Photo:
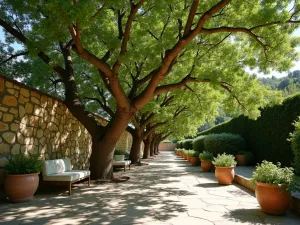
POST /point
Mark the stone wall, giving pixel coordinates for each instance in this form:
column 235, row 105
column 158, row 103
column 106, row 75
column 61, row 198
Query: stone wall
column 32, row 121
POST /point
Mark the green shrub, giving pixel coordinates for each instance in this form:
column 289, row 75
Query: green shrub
column 179, row 149
column 267, row 136
column 198, row 143
column 188, row 144
column 179, row 144
column 206, row 156
column 23, row 164
column 224, row 160
column 193, row 153
column 295, row 142
column 119, row 152
column 224, row 143
column 269, row 173
column 186, row 152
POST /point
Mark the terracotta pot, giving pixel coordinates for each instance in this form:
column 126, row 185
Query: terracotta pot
column 241, row 160
column 206, row 165
column 21, row 188
column 184, row 156
column 224, row 175
column 273, row 199
column 194, row 161
column 188, row 158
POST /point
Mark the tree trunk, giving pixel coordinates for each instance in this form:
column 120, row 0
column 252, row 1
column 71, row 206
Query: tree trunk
column 152, row 148
column 101, row 160
column 156, row 148
column 146, row 148
column 104, row 144
column 135, row 154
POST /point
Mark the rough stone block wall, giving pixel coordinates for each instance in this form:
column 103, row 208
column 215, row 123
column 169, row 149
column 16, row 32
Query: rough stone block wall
column 31, row 121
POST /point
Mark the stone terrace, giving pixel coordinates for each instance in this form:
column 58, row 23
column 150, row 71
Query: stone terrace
column 168, row 191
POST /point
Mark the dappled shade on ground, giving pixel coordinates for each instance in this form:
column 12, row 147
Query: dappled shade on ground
column 168, row 191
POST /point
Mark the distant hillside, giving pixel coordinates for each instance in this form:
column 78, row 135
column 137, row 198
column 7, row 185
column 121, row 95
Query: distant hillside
column 289, row 84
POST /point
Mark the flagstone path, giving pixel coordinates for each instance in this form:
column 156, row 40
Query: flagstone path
column 167, row 191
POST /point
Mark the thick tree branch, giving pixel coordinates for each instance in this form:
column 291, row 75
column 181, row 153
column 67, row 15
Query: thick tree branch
column 152, row 128
column 171, row 55
column 133, row 11
column 148, row 120
column 191, row 17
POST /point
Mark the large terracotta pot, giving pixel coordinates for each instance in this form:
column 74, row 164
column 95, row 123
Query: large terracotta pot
column 206, row 165
column 184, row 156
column 194, row 161
column 224, row 175
column 241, row 160
column 273, row 199
column 187, row 157
column 21, row 188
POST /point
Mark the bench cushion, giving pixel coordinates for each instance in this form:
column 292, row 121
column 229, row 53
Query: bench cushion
column 67, row 175
column 68, row 165
column 121, row 163
column 53, row 167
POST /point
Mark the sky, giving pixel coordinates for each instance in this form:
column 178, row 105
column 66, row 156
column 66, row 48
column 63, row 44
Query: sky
column 273, row 73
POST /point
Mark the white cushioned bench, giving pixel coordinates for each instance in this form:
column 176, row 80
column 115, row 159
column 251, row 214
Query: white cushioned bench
column 60, row 171
column 122, row 163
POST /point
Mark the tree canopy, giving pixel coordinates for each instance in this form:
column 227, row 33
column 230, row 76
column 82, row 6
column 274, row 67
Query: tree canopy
column 126, row 53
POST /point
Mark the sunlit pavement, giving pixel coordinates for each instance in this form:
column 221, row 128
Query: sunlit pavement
column 167, row 191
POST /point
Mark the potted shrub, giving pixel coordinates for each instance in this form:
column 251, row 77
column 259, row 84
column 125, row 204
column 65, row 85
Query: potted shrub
column 224, row 164
column 243, row 158
column 184, row 154
column 273, row 186
column 188, row 155
column 193, row 156
column 22, row 180
column 206, row 158
column 119, row 155
column 179, row 152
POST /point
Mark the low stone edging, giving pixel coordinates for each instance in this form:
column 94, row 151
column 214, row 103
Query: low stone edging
column 245, row 182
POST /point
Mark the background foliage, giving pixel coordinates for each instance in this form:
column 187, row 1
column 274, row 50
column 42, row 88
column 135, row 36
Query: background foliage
column 267, row 136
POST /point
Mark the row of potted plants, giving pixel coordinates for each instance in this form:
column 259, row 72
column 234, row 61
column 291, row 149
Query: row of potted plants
column 273, row 184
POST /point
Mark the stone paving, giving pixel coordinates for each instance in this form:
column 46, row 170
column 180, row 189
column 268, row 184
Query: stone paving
column 168, row 191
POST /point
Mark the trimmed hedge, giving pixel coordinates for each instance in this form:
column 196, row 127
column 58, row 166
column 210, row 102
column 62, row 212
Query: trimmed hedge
column 295, row 141
column 198, row 143
column 224, row 143
column 187, row 144
column 267, row 136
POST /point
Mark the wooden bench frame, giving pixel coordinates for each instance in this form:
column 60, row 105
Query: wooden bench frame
column 69, row 183
column 121, row 166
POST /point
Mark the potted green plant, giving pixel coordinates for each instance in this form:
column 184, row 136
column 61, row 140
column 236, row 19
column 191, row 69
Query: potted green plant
column 224, row 164
column 179, row 152
column 273, row 186
column 22, row 180
column 206, row 158
column 243, row 158
column 193, row 157
column 119, row 155
column 185, row 156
